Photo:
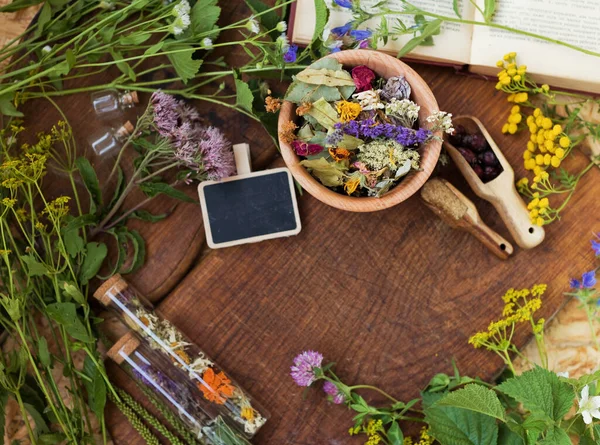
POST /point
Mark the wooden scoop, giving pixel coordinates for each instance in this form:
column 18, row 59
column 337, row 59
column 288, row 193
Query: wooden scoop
column 456, row 210
column 501, row 191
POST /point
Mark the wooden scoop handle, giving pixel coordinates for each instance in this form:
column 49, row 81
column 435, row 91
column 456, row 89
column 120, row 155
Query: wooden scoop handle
column 490, row 239
column 515, row 215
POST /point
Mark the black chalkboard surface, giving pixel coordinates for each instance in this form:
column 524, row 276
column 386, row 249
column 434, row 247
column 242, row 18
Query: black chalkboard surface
column 249, row 208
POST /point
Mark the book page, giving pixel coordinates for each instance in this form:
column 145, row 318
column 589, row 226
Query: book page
column 572, row 21
column 452, row 45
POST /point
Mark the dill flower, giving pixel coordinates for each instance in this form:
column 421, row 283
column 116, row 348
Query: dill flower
column 181, row 11
column 305, row 364
column 348, row 110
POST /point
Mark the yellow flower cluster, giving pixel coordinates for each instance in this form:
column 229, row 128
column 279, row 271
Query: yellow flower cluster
column 58, row 208
column 348, row 110
column 511, row 75
column 547, row 143
column 514, row 119
column 372, row 430
column 538, row 208
column 425, row 438
column 519, row 306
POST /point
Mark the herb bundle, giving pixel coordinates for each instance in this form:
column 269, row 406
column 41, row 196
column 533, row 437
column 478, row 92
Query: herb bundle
column 358, row 132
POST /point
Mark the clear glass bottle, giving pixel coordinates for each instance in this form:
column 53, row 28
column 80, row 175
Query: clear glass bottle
column 109, row 103
column 108, row 141
column 155, row 371
column 215, row 387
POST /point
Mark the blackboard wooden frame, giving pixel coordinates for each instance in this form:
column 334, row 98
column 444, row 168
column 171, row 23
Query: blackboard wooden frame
column 254, row 239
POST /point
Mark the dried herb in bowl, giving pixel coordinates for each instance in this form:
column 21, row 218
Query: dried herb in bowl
column 357, row 133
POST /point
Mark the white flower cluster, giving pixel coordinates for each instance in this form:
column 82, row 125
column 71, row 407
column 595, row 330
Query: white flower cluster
column 181, row 11
column 283, row 43
column 253, row 25
column 207, row 43
column 441, row 121
column 369, row 100
column 406, row 110
column 388, row 153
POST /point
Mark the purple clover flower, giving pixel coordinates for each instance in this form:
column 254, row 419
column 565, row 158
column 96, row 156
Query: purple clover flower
column 291, row 54
column 588, row 281
column 361, row 34
column 165, row 112
column 341, row 31
column 596, row 247
column 303, row 371
column 331, row 389
column 344, row 3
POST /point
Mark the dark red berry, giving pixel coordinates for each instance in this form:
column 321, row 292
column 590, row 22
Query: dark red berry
column 489, row 158
column 467, row 140
column 478, row 143
column 478, row 171
column 468, row 155
column 490, row 173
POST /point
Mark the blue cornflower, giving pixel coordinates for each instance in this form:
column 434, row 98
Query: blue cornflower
column 596, row 247
column 341, row 31
column 291, row 54
column 588, row 281
column 344, row 3
column 361, row 34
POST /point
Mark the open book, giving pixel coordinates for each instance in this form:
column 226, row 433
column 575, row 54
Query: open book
column 573, row 21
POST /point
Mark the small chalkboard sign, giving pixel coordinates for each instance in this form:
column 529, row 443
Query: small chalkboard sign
column 249, row 208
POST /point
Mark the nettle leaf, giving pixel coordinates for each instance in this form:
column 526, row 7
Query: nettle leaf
column 431, row 29
column 94, row 257
column 331, row 174
column 540, row 390
column 96, row 388
column 204, row 16
column 456, row 426
column 475, row 398
column 152, row 189
column 508, row 437
column 322, row 17
column 34, row 267
column 243, row 95
column 556, row 436
column 90, row 180
column 65, row 314
column 184, row 64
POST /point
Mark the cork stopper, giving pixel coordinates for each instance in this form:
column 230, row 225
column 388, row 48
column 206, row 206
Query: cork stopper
column 130, row 98
column 125, row 130
column 116, row 283
column 126, row 345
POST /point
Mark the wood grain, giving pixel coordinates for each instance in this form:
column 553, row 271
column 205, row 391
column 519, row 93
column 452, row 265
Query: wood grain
column 385, row 66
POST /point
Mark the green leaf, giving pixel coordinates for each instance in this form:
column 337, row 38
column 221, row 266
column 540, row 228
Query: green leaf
column 51, row 438
column 72, row 291
column 455, row 426
column 65, row 314
column 269, row 20
column 456, row 7
column 96, row 388
column 183, row 63
column 331, row 174
column 74, row 243
column 123, row 66
column 107, row 32
column 94, row 257
column 44, row 17
column 540, row 390
column 7, row 107
column 508, row 437
column 134, row 39
column 41, row 426
column 119, row 187
column 43, row 352
column 3, row 409
column 34, row 267
column 330, row 78
column 489, row 10
column 243, row 95
column 17, row 5
column 154, row 48
column 431, row 29
column 475, row 398
column 324, row 113
column 145, row 215
column 139, row 250
column 556, row 436
column 88, row 174
column 322, row 17
column 395, row 435
column 152, row 189
column 204, row 16
column 70, row 56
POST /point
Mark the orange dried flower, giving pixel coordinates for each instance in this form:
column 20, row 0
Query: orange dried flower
column 339, row 154
column 216, row 387
column 286, row 134
column 272, row 104
column 303, row 109
column 183, row 356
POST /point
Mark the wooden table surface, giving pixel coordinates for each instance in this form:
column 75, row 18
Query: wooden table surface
column 391, row 296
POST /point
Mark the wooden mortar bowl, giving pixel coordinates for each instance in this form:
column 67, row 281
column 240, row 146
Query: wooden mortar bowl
column 385, row 66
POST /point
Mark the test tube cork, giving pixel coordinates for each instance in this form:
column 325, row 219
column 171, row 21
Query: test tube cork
column 116, row 283
column 126, row 344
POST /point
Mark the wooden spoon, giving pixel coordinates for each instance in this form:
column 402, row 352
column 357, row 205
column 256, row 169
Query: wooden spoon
column 459, row 212
column 501, row 191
